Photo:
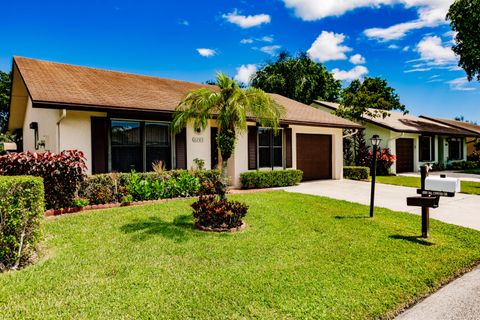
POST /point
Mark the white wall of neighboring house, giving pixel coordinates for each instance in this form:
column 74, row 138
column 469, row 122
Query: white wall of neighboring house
column 47, row 128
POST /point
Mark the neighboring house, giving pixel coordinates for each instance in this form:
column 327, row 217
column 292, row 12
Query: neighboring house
column 122, row 122
column 473, row 128
column 415, row 141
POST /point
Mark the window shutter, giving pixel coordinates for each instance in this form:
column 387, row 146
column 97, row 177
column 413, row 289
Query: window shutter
column 288, row 147
column 99, row 130
column 213, row 148
column 181, row 150
column 252, row 148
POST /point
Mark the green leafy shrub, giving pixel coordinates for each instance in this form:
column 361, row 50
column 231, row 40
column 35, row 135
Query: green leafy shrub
column 113, row 187
column 62, row 173
column 436, row 166
column 21, row 215
column 270, row 178
column 462, row 165
column 80, row 202
column 356, row 173
column 211, row 212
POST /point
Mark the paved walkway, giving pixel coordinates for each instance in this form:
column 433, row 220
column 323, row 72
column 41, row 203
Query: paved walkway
column 459, row 299
column 462, row 210
column 452, row 174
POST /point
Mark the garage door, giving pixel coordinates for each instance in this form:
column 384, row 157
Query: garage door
column 314, row 156
column 404, row 153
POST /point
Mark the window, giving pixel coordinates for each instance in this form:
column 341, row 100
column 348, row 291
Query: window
column 270, row 148
column 426, row 148
column 455, row 150
column 135, row 145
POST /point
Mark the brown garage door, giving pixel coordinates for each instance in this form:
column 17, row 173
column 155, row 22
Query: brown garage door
column 314, row 156
column 404, row 150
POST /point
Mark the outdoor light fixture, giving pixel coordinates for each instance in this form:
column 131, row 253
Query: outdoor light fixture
column 375, row 140
column 34, row 127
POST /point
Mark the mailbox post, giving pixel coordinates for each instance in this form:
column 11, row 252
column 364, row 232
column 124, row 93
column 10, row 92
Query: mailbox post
column 431, row 190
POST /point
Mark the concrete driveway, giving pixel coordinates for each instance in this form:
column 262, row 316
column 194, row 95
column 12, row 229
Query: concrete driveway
column 462, row 210
column 448, row 173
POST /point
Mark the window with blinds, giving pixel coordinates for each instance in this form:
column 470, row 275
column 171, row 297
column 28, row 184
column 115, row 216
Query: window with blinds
column 136, row 145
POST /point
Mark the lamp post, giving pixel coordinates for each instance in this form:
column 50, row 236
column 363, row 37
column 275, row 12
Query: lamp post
column 375, row 140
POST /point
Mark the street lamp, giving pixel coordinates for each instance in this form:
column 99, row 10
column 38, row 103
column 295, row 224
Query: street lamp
column 375, row 140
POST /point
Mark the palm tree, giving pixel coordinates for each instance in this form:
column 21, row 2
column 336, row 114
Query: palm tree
column 230, row 105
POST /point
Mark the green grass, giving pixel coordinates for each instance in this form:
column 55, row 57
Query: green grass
column 470, row 187
column 472, row 171
column 301, row 257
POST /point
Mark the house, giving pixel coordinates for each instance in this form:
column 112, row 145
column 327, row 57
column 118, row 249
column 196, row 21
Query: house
column 473, row 128
column 414, row 140
column 122, row 122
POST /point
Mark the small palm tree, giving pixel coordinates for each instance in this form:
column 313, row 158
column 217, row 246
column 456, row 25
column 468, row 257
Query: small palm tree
column 230, row 105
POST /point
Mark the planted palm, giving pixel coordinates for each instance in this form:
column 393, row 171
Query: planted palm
column 231, row 106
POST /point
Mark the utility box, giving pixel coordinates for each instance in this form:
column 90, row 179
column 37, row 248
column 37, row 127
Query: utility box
column 450, row 185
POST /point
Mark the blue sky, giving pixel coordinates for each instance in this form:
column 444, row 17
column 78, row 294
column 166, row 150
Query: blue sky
column 406, row 42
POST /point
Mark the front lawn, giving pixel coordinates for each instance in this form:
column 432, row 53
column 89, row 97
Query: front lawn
column 470, row 187
column 302, row 256
column 472, row 171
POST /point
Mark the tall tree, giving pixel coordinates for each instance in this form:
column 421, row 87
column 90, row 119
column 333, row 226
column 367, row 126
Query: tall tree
column 230, row 105
column 5, row 90
column 464, row 16
column 371, row 97
column 298, row 78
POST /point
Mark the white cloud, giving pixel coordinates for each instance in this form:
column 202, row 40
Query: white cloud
column 432, row 50
column 417, row 70
column 352, row 74
column 271, row 50
column 205, row 52
column 328, row 46
column 461, row 84
column 406, row 48
column 357, row 59
column 245, row 73
column 431, row 13
column 246, row 21
column 246, row 41
column 393, row 46
column 268, row 39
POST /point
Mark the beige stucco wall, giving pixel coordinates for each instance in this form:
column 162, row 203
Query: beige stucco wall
column 47, row 128
column 198, row 145
column 75, row 133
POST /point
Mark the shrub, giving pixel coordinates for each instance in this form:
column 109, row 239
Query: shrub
column 113, row 187
column 270, row 178
column 210, row 212
column 462, row 165
column 356, row 173
column 62, row 173
column 437, row 166
column 21, row 214
column 384, row 161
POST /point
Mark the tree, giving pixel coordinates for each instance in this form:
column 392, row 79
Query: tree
column 298, row 78
column 373, row 97
column 230, row 105
column 464, row 16
column 5, row 89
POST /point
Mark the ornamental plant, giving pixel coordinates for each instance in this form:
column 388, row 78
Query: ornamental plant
column 384, row 161
column 62, row 173
column 214, row 213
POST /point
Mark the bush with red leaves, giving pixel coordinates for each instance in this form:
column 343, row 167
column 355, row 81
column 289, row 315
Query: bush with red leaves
column 61, row 173
column 211, row 212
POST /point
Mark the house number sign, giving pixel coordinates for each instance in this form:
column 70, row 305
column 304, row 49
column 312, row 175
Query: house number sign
column 197, row 139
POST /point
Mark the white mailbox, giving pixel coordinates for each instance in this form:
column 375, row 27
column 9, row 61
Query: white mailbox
column 451, row 185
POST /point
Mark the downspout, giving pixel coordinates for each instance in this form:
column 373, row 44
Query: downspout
column 63, row 115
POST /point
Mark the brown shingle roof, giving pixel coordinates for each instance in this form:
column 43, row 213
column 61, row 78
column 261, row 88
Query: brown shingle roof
column 399, row 122
column 475, row 129
column 83, row 87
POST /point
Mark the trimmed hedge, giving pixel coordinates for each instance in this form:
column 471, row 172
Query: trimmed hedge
column 356, row 173
column 21, row 214
column 270, row 178
column 462, row 165
column 116, row 187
